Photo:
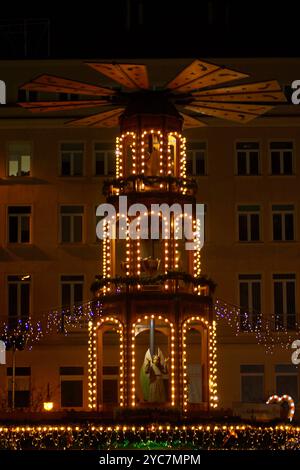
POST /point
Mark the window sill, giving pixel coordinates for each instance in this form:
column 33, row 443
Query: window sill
column 280, row 242
column 71, row 178
column 246, row 243
column 248, row 176
column 270, row 175
column 19, row 244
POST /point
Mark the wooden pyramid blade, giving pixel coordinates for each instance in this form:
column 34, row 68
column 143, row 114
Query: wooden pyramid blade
column 189, row 121
column 48, row 106
column 105, row 119
column 197, row 69
column 129, row 75
column 201, row 74
column 247, row 108
column 236, row 113
column 53, row 84
column 267, row 91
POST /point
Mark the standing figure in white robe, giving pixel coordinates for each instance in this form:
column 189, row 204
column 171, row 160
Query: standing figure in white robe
column 153, row 371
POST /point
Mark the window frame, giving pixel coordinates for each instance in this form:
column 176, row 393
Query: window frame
column 106, row 156
column 282, row 212
column 286, row 374
column 19, row 216
column 71, row 175
column 248, row 213
column 248, row 280
column 19, row 302
column 71, row 283
column 285, row 314
column 72, row 215
column 252, row 374
column 290, row 140
column 259, row 150
column 8, row 143
column 193, row 151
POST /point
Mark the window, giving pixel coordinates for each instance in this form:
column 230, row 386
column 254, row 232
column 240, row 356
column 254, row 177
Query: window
column 247, row 155
column 71, row 386
column 68, row 97
column 105, row 159
column 19, row 224
column 71, row 291
column 19, row 158
column 18, row 298
column 22, row 386
column 27, row 95
column 283, row 222
column 196, row 159
column 71, row 155
column 285, row 300
column 250, row 300
column 252, row 383
column 71, row 223
column 281, row 158
column 249, row 223
column 286, row 376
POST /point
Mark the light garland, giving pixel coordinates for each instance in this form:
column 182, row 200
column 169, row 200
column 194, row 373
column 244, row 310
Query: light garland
column 172, row 347
column 93, row 359
column 204, row 437
column 264, row 330
column 283, row 398
column 120, row 157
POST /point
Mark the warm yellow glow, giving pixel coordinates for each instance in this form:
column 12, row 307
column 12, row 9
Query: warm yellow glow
column 172, row 345
column 93, row 359
column 48, row 405
column 211, row 329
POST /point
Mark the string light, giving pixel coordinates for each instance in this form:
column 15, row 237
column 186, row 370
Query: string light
column 93, row 359
column 212, row 352
column 197, row 436
column 288, row 399
column 172, row 351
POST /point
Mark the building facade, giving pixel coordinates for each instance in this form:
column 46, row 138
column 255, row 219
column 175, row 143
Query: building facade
column 51, row 183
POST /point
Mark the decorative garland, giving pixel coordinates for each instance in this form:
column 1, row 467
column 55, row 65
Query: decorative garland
column 160, row 279
column 122, row 183
column 198, row 437
column 266, row 331
column 288, row 399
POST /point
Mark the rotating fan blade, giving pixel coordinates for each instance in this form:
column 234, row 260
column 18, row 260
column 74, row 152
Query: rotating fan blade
column 200, row 74
column 48, row 106
column 129, row 75
column 190, row 121
column 53, row 84
column 232, row 112
column 267, row 91
column 105, row 119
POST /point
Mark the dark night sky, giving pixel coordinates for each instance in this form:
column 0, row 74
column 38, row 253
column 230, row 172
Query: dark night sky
column 153, row 28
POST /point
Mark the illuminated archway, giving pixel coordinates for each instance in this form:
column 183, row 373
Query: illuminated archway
column 133, row 356
column 93, row 359
column 212, row 359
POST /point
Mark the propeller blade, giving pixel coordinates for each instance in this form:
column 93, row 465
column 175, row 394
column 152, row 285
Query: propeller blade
column 260, row 92
column 48, row 106
column 189, row 121
column 53, row 84
column 129, row 75
column 231, row 112
column 105, row 119
column 200, row 74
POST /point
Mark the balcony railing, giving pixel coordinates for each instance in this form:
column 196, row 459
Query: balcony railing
column 142, row 183
column 170, row 282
